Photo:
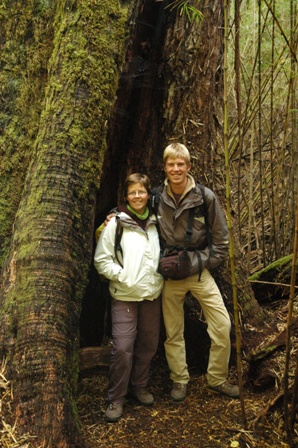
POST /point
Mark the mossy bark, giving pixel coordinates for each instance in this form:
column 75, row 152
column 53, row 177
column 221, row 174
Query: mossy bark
column 47, row 269
column 26, row 34
column 272, row 283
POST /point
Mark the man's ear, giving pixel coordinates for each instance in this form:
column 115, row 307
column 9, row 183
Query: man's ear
column 189, row 167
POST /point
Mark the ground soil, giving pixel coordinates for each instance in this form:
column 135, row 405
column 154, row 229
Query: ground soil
column 203, row 420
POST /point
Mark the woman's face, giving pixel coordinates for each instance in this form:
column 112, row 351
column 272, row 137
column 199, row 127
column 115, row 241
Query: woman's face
column 137, row 197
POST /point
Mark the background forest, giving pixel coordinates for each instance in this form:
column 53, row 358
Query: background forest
column 77, row 113
column 262, row 108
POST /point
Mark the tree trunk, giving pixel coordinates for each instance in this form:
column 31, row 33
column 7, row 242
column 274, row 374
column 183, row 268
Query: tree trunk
column 47, row 270
column 171, row 90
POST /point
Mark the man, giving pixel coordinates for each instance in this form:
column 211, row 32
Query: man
column 177, row 196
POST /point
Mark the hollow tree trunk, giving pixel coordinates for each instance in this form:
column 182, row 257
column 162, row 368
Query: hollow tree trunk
column 171, row 90
column 46, row 273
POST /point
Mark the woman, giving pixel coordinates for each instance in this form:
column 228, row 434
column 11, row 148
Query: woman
column 135, row 287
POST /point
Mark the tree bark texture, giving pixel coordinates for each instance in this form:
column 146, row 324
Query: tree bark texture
column 26, row 45
column 47, row 270
column 171, row 90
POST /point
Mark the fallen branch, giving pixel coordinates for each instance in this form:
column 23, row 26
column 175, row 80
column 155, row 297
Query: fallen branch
column 271, row 283
column 266, row 409
column 272, row 346
column 91, row 357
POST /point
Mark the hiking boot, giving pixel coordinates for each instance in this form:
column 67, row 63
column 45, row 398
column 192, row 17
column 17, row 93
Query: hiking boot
column 226, row 388
column 143, row 396
column 114, row 412
column 178, row 392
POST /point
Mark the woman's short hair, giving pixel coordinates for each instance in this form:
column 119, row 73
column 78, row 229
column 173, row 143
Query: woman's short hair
column 176, row 151
column 138, row 178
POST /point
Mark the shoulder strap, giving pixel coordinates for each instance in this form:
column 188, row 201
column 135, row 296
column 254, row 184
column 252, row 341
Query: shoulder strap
column 203, row 206
column 188, row 232
column 154, row 202
column 118, row 236
column 155, row 199
column 191, row 216
column 204, row 209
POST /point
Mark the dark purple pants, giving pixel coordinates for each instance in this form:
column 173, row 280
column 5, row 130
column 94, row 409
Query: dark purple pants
column 135, row 332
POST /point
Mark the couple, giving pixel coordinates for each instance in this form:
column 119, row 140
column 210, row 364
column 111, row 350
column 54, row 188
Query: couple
column 136, row 285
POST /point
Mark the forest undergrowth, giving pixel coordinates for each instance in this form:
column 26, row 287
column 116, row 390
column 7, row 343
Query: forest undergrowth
column 203, row 420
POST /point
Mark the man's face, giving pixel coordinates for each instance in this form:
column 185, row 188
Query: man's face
column 176, row 171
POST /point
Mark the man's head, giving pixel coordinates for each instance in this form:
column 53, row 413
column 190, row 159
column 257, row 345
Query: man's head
column 176, row 166
column 176, row 151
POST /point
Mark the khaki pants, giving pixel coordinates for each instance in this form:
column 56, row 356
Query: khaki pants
column 217, row 317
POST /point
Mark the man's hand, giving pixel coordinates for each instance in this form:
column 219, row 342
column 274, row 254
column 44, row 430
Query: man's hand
column 108, row 218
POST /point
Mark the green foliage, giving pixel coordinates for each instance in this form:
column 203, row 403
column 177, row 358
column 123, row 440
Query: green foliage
column 262, row 127
column 192, row 12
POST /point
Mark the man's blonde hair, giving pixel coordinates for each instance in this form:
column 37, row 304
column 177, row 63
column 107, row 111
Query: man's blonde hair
column 176, row 151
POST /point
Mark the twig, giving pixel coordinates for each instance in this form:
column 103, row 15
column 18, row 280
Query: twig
column 271, row 283
column 266, row 409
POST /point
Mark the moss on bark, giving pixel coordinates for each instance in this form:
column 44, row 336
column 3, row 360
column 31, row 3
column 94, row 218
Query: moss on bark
column 61, row 157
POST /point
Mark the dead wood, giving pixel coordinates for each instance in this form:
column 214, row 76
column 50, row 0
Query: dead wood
column 266, row 378
column 278, row 342
column 266, row 409
column 91, row 357
column 273, row 282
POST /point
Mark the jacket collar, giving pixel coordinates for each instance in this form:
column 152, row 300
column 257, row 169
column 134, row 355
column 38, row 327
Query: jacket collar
column 132, row 221
column 189, row 186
